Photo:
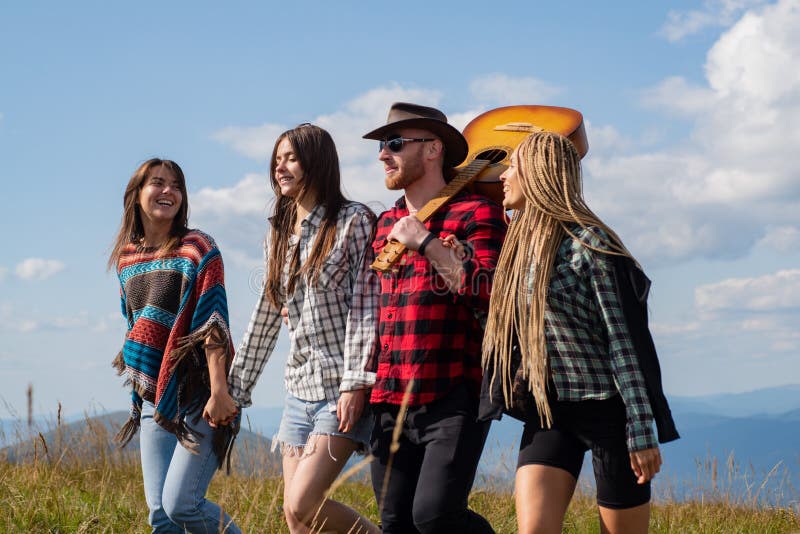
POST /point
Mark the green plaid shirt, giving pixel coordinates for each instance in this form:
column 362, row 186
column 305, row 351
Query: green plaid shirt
column 591, row 353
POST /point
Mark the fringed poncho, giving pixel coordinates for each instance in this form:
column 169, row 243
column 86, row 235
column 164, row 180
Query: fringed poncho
column 172, row 301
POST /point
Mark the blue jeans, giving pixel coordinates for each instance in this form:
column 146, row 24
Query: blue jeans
column 176, row 480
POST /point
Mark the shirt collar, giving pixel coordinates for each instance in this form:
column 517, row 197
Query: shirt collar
column 314, row 218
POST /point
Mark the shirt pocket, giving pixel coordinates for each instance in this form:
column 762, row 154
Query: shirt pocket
column 569, row 295
column 333, row 273
column 424, row 273
column 561, row 289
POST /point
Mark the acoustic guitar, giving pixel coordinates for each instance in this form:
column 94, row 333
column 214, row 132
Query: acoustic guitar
column 492, row 137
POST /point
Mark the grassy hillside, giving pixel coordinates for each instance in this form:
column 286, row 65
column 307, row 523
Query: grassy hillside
column 81, row 485
column 107, row 496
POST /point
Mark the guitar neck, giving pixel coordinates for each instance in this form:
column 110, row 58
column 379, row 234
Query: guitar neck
column 464, row 178
column 394, row 250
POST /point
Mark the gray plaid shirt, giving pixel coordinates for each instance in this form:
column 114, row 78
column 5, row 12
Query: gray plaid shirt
column 317, row 368
column 588, row 343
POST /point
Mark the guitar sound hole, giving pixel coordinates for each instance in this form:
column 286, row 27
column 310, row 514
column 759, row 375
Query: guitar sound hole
column 494, row 155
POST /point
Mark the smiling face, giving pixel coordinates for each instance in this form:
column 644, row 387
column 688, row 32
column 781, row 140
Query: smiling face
column 160, row 196
column 407, row 166
column 512, row 193
column 287, row 172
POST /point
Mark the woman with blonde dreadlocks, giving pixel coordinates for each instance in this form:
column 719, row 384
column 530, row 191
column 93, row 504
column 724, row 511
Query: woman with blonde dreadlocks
column 567, row 348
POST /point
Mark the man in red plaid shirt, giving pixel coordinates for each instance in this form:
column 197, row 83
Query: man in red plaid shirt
column 422, row 324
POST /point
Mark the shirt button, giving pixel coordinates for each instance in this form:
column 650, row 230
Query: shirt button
column 389, row 316
column 385, row 346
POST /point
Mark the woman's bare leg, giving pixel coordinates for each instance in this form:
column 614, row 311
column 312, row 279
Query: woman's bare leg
column 306, row 480
column 630, row 520
column 542, row 497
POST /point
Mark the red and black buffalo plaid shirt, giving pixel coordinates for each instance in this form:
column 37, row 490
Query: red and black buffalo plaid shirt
column 424, row 331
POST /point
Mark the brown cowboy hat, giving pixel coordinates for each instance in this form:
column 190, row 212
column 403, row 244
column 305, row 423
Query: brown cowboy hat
column 405, row 115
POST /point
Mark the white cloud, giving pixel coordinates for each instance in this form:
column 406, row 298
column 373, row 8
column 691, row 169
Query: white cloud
column 606, row 139
column 753, row 71
column 679, row 96
column 38, row 268
column 751, row 58
column 502, row 90
column 714, row 13
column 734, row 180
column 782, row 238
column 780, row 290
column 252, row 141
column 15, row 320
column 247, row 197
column 673, row 329
column 358, row 116
column 785, row 345
column 777, row 330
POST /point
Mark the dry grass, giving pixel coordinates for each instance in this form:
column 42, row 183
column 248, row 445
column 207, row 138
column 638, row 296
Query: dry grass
column 80, row 484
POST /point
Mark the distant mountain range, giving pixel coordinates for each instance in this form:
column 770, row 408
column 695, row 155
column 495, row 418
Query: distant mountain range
column 745, row 446
column 82, row 440
column 770, row 401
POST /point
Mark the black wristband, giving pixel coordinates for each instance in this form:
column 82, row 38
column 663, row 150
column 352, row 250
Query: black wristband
column 421, row 250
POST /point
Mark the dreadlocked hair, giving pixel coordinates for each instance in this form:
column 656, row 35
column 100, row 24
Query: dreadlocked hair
column 549, row 177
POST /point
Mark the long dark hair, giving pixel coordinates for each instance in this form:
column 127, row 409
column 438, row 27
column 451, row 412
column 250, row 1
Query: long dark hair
column 316, row 153
column 131, row 229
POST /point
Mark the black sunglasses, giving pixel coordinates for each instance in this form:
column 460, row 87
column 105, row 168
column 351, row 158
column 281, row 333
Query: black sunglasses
column 396, row 144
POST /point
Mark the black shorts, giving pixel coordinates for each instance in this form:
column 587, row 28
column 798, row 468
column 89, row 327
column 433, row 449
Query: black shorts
column 598, row 425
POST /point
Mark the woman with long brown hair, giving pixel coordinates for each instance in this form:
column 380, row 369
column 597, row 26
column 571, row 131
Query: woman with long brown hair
column 314, row 252
column 567, row 349
column 177, row 350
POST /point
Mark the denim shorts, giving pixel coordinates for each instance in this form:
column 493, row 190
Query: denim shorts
column 303, row 419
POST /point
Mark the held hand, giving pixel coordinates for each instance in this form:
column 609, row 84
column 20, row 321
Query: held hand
column 349, row 409
column 645, row 464
column 451, row 242
column 285, row 315
column 409, row 231
column 220, row 409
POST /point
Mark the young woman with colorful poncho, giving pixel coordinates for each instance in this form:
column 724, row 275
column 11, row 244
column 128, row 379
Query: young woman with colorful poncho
column 568, row 351
column 177, row 350
column 314, row 253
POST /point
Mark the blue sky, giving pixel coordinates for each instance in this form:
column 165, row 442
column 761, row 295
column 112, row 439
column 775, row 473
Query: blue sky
column 691, row 111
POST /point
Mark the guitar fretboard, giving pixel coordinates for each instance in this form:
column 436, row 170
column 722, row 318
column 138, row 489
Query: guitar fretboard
column 393, row 250
column 465, row 176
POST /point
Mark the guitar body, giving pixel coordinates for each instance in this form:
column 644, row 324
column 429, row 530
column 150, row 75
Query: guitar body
column 494, row 135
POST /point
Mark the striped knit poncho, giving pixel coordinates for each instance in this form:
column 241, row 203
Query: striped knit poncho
column 172, row 301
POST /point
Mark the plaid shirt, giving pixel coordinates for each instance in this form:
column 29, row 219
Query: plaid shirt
column 424, row 331
column 588, row 343
column 316, row 368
